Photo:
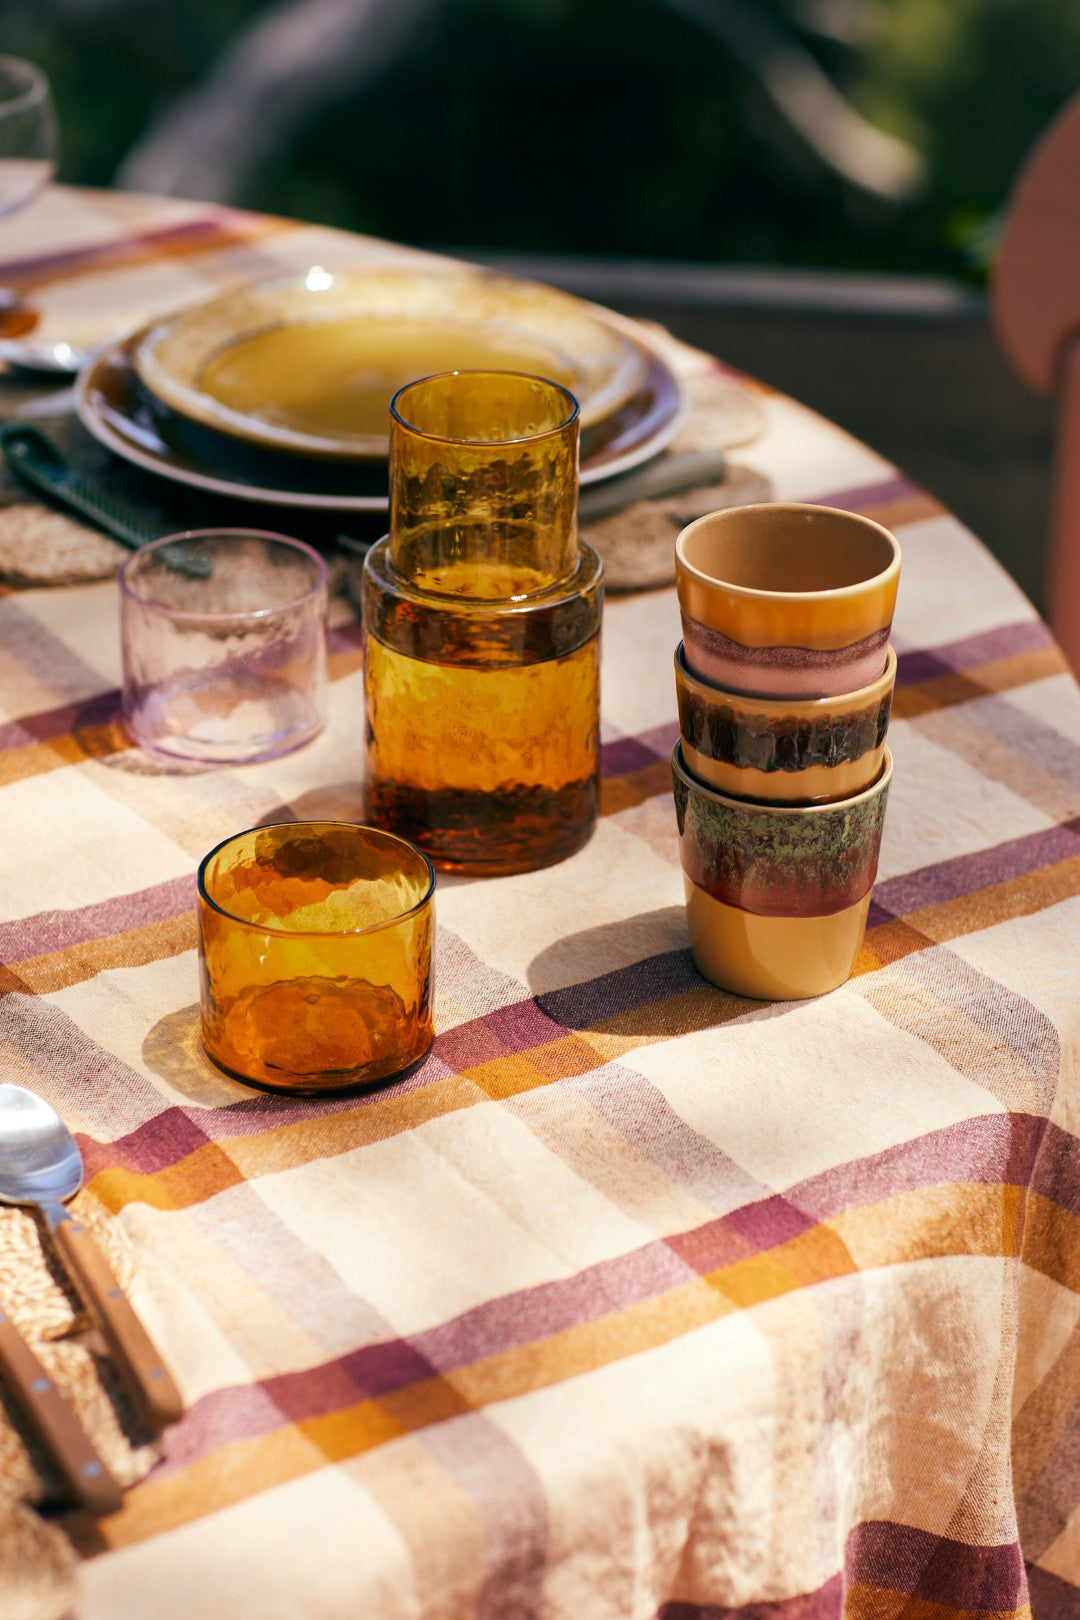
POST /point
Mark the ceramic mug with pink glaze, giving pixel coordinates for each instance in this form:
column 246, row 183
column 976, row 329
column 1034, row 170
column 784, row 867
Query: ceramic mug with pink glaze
column 787, row 600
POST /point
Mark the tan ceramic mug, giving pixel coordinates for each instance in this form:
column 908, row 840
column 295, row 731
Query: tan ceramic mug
column 787, row 600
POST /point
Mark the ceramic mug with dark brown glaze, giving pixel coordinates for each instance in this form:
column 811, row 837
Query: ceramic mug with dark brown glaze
column 787, row 600
column 784, row 750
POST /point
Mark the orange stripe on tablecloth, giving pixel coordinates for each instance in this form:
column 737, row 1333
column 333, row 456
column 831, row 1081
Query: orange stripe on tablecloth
column 865, row 1602
column 913, row 508
column 814, row 1256
column 925, row 1223
column 238, row 1471
column 1000, row 675
column 345, row 660
column 624, row 792
column 1052, row 1241
column 933, row 1223
column 291, row 1146
column 135, row 947
column 193, row 1179
column 96, row 742
column 199, row 1175
column 998, row 902
column 888, row 942
column 1021, row 896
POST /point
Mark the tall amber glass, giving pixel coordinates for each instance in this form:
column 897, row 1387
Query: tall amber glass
column 315, row 943
column 483, row 484
column 482, row 616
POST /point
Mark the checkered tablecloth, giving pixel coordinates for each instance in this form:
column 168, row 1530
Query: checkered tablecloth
column 637, row 1299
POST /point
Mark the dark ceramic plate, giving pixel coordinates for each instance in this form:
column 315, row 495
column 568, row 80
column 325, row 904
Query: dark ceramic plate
column 113, row 407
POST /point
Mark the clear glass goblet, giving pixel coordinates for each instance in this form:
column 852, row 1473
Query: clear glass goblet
column 28, row 140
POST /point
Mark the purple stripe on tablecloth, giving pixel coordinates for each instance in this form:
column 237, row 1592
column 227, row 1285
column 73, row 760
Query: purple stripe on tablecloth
column 1015, row 1025
column 50, row 931
column 391, row 1365
column 965, row 874
column 1052, row 1598
column 146, row 1150
column 935, row 1568
column 211, row 226
column 100, row 710
column 625, row 754
column 825, row 1604
column 104, row 707
column 661, row 739
column 1007, row 641
column 1056, row 1175
column 345, row 637
column 877, row 494
column 994, row 1149
column 1048, row 750
column 991, row 1149
column 594, row 1001
column 639, row 1111
column 1050, row 1501
column 521, row 1025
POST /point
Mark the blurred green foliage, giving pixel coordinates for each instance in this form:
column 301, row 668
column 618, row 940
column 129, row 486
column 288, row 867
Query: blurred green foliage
column 605, row 126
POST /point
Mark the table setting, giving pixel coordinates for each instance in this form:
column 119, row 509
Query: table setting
column 540, row 884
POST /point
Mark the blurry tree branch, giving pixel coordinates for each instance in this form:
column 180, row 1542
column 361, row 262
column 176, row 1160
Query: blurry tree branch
column 277, row 75
column 806, row 99
column 300, row 57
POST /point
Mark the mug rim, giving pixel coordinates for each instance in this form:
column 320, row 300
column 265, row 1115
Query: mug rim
column 572, row 416
column 767, row 807
column 241, row 616
column 318, row 933
column 757, row 593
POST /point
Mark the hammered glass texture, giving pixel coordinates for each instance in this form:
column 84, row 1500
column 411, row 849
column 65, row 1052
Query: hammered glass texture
column 315, row 955
column 223, row 641
column 483, row 484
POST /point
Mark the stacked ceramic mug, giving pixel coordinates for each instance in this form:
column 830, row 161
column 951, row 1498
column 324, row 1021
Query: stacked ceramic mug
column 785, row 678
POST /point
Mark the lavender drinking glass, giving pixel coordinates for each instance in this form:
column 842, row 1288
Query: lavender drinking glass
column 223, row 638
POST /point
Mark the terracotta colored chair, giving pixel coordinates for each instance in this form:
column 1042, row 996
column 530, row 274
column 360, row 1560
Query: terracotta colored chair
column 1035, row 301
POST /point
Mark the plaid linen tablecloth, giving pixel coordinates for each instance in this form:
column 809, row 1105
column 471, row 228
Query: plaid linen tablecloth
column 637, row 1299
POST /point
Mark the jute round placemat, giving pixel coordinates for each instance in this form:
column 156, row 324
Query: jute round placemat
column 41, row 545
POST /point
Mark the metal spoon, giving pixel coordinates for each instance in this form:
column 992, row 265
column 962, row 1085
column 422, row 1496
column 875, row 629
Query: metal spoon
column 43, row 358
column 40, row 1165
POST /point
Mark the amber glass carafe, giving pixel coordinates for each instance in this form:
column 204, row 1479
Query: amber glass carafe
column 481, row 616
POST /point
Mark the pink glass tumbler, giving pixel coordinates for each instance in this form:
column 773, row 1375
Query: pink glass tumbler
column 223, row 639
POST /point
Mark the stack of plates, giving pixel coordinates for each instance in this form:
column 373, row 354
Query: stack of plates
column 278, row 391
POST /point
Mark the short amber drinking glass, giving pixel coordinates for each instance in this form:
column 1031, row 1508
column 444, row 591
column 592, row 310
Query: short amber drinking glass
column 482, row 616
column 315, row 955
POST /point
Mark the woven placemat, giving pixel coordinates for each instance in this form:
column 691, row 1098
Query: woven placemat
column 42, row 545
column 37, row 1566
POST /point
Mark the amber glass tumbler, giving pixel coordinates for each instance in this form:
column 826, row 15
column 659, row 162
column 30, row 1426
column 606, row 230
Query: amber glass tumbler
column 483, row 484
column 315, row 942
column 482, row 617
